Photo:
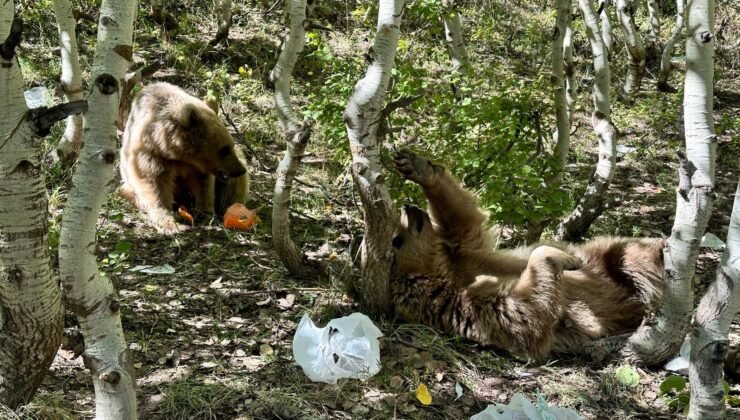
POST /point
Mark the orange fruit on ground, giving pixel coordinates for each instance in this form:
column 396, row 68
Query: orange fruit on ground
column 239, row 217
column 185, row 215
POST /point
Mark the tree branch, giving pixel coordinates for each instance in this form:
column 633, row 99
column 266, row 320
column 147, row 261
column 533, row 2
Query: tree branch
column 44, row 118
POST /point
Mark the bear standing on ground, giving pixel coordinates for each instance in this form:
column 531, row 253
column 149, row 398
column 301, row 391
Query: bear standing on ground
column 176, row 150
column 530, row 300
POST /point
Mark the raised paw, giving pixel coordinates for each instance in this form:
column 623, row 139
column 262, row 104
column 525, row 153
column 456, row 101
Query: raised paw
column 416, row 168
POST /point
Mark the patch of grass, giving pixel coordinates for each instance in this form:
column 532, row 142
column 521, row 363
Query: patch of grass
column 43, row 407
column 190, row 400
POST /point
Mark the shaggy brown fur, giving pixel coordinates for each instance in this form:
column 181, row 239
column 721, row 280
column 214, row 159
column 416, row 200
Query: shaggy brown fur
column 176, row 149
column 530, row 300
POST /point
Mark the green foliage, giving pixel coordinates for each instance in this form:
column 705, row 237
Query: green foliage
column 328, row 91
column 491, row 128
column 116, row 258
column 677, row 395
column 627, row 376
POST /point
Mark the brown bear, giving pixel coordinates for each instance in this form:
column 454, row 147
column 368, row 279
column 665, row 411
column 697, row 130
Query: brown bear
column 529, row 301
column 176, row 150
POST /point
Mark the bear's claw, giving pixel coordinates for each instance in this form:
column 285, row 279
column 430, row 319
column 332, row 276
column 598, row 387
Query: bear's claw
column 415, row 168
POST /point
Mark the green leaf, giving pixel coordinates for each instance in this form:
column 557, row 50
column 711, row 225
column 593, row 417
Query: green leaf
column 675, row 383
column 123, row 247
column 733, row 401
column 627, row 376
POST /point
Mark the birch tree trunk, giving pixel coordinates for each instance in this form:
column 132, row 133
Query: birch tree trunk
column 606, row 26
column 89, row 295
column 635, row 49
column 557, row 79
column 662, row 336
column 71, row 79
column 454, row 37
column 297, row 134
column 654, row 21
column 665, row 59
column 224, row 17
column 362, row 120
column 592, row 204
column 31, row 317
column 571, row 88
column 709, row 336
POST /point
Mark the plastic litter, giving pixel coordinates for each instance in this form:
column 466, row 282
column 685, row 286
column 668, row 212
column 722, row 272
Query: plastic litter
column 38, row 97
column 680, row 364
column 624, row 150
column 154, row 269
column 347, row 347
column 521, row 408
column 713, row 242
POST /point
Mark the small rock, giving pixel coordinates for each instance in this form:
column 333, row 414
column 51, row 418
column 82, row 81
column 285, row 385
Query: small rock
column 396, row 382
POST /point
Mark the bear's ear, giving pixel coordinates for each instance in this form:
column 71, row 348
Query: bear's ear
column 211, row 99
column 189, row 116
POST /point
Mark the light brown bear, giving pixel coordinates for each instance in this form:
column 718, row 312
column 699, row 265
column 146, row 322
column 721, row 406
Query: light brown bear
column 529, row 301
column 176, row 150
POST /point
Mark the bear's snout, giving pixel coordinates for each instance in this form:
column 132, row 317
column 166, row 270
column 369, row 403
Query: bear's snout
column 237, row 172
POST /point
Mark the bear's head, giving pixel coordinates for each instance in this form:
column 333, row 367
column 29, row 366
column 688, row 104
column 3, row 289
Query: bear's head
column 417, row 248
column 211, row 144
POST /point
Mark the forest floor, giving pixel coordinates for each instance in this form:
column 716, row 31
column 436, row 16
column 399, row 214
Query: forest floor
column 213, row 339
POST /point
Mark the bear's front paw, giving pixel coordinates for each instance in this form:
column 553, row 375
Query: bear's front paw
column 168, row 226
column 416, row 168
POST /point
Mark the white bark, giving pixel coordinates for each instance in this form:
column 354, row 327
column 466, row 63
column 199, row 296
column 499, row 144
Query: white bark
column 362, row 120
column 661, row 337
column 591, row 205
column 665, row 59
column 71, row 79
column 606, row 26
column 709, row 338
column 31, row 317
column 635, row 49
column 89, row 295
column 297, row 134
column 557, row 80
column 454, row 37
column 571, row 88
column 224, row 16
column 654, row 21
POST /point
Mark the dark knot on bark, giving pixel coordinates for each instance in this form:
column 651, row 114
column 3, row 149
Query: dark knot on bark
column 7, row 48
column 107, row 21
column 112, row 377
column 108, row 156
column 706, row 36
column 107, row 84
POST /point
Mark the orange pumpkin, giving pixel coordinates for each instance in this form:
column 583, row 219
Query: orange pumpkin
column 185, row 215
column 240, row 218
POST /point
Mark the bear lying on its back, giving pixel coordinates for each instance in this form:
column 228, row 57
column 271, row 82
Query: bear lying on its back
column 176, row 149
column 530, row 300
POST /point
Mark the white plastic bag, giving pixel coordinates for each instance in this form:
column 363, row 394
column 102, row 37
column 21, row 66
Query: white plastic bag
column 347, row 347
column 521, row 408
column 680, row 363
